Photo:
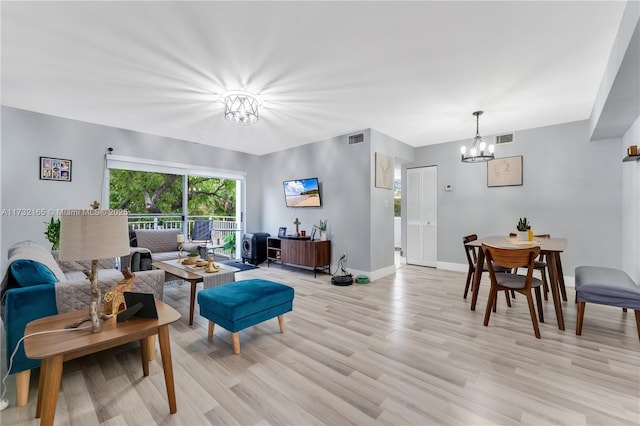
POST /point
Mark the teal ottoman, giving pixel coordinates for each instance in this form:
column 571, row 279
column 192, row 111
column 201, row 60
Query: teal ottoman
column 236, row 306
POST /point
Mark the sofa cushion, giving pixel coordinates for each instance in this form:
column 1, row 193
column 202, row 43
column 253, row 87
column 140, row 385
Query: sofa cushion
column 33, row 251
column 606, row 286
column 27, row 273
column 82, row 265
column 158, row 240
column 167, row 255
column 103, row 274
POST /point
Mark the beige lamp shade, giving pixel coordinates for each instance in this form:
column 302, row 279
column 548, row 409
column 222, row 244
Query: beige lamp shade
column 93, row 234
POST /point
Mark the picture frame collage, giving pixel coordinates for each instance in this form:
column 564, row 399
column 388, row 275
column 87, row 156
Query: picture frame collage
column 57, row 169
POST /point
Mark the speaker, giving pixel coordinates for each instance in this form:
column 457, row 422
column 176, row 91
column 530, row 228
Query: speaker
column 254, row 247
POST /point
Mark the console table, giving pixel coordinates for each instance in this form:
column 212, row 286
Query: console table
column 305, row 253
column 55, row 348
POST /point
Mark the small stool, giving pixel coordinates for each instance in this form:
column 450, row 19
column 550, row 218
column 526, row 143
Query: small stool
column 236, row 306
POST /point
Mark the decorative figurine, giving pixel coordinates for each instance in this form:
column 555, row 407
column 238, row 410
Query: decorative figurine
column 211, row 266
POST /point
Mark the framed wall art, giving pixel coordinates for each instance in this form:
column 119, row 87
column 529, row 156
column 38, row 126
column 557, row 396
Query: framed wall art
column 55, row 169
column 384, row 171
column 505, row 171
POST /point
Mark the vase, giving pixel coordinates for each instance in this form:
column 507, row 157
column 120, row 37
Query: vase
column 523, row 236
column 323, row 235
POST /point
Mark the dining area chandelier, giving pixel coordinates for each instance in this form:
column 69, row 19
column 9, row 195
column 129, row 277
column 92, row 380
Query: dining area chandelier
column 241, row 107
column 479, row 150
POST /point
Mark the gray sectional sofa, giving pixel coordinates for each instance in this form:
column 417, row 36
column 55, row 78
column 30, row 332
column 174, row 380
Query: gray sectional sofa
column 154, row 245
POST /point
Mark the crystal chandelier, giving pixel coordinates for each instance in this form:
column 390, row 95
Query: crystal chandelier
column 477, row 152
column 240, row 107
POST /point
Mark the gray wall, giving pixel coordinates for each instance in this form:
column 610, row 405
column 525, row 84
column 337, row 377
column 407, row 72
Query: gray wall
column 382, row 248
column 343, row 172
column 360, row 216
column 615, row 114
column 28, row 135
column 631, row 206
column 571, row 188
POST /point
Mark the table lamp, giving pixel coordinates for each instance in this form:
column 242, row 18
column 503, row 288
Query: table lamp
column 180, row 240
column 93, row 235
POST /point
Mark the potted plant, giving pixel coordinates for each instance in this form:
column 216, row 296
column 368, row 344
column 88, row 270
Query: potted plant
column 53, row 233
column 524, row 230
column 229, row 242
column 322, row 227
column 192, row 257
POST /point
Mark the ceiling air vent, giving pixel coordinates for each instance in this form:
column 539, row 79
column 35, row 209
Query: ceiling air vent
column 357, row 138
column 508, row 138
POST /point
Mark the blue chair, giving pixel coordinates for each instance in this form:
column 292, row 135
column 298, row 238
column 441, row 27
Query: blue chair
column 202, row 230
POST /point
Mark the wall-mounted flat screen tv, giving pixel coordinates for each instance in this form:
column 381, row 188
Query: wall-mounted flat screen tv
column 302, row 193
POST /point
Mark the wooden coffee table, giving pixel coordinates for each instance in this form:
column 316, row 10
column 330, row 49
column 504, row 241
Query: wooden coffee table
column 173, row 267
column 55, row 348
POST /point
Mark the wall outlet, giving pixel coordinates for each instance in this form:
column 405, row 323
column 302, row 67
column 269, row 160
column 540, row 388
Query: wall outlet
column 343, row 256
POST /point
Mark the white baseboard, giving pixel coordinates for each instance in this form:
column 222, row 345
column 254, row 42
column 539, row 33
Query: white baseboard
column 448, row 266
column 375, row 275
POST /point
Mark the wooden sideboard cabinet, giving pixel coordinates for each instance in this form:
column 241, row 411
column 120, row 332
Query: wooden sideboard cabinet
column 311, row 254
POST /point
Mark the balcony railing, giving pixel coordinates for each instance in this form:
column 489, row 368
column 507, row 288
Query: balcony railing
column 222, row 225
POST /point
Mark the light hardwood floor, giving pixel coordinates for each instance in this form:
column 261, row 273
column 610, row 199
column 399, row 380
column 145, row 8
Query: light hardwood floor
column 404, row 350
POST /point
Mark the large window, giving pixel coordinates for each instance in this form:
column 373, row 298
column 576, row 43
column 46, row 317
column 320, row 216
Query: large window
column 211, row 196
column 145, row 192
column 161, row 194
column 166, row 196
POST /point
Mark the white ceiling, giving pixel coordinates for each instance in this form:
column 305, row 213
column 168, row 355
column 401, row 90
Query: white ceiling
column 412, row 70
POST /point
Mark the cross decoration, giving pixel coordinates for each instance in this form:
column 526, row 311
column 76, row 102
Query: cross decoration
column 297, row 223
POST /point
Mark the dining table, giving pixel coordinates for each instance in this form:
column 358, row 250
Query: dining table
column 549, row 247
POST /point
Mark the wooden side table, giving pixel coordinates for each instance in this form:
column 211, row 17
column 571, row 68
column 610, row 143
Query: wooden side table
column 55, row 348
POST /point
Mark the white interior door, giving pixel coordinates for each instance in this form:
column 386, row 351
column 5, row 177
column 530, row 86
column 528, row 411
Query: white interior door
column 422, row 185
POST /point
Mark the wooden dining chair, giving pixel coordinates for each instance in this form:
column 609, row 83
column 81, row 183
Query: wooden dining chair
column 500, row 281
column 540, row 265
column 472, row 257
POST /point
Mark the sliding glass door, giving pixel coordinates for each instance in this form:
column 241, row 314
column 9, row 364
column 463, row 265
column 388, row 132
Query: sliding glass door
column 176, row 199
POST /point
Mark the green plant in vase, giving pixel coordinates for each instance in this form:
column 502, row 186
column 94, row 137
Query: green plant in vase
column 53, row 233
column 322, row 227
column 192, row 257
column 524, row 230
column 229, row 242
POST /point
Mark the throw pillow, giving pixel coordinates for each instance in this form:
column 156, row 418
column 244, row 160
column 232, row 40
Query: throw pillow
column 29, row 272
column 30, row 250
